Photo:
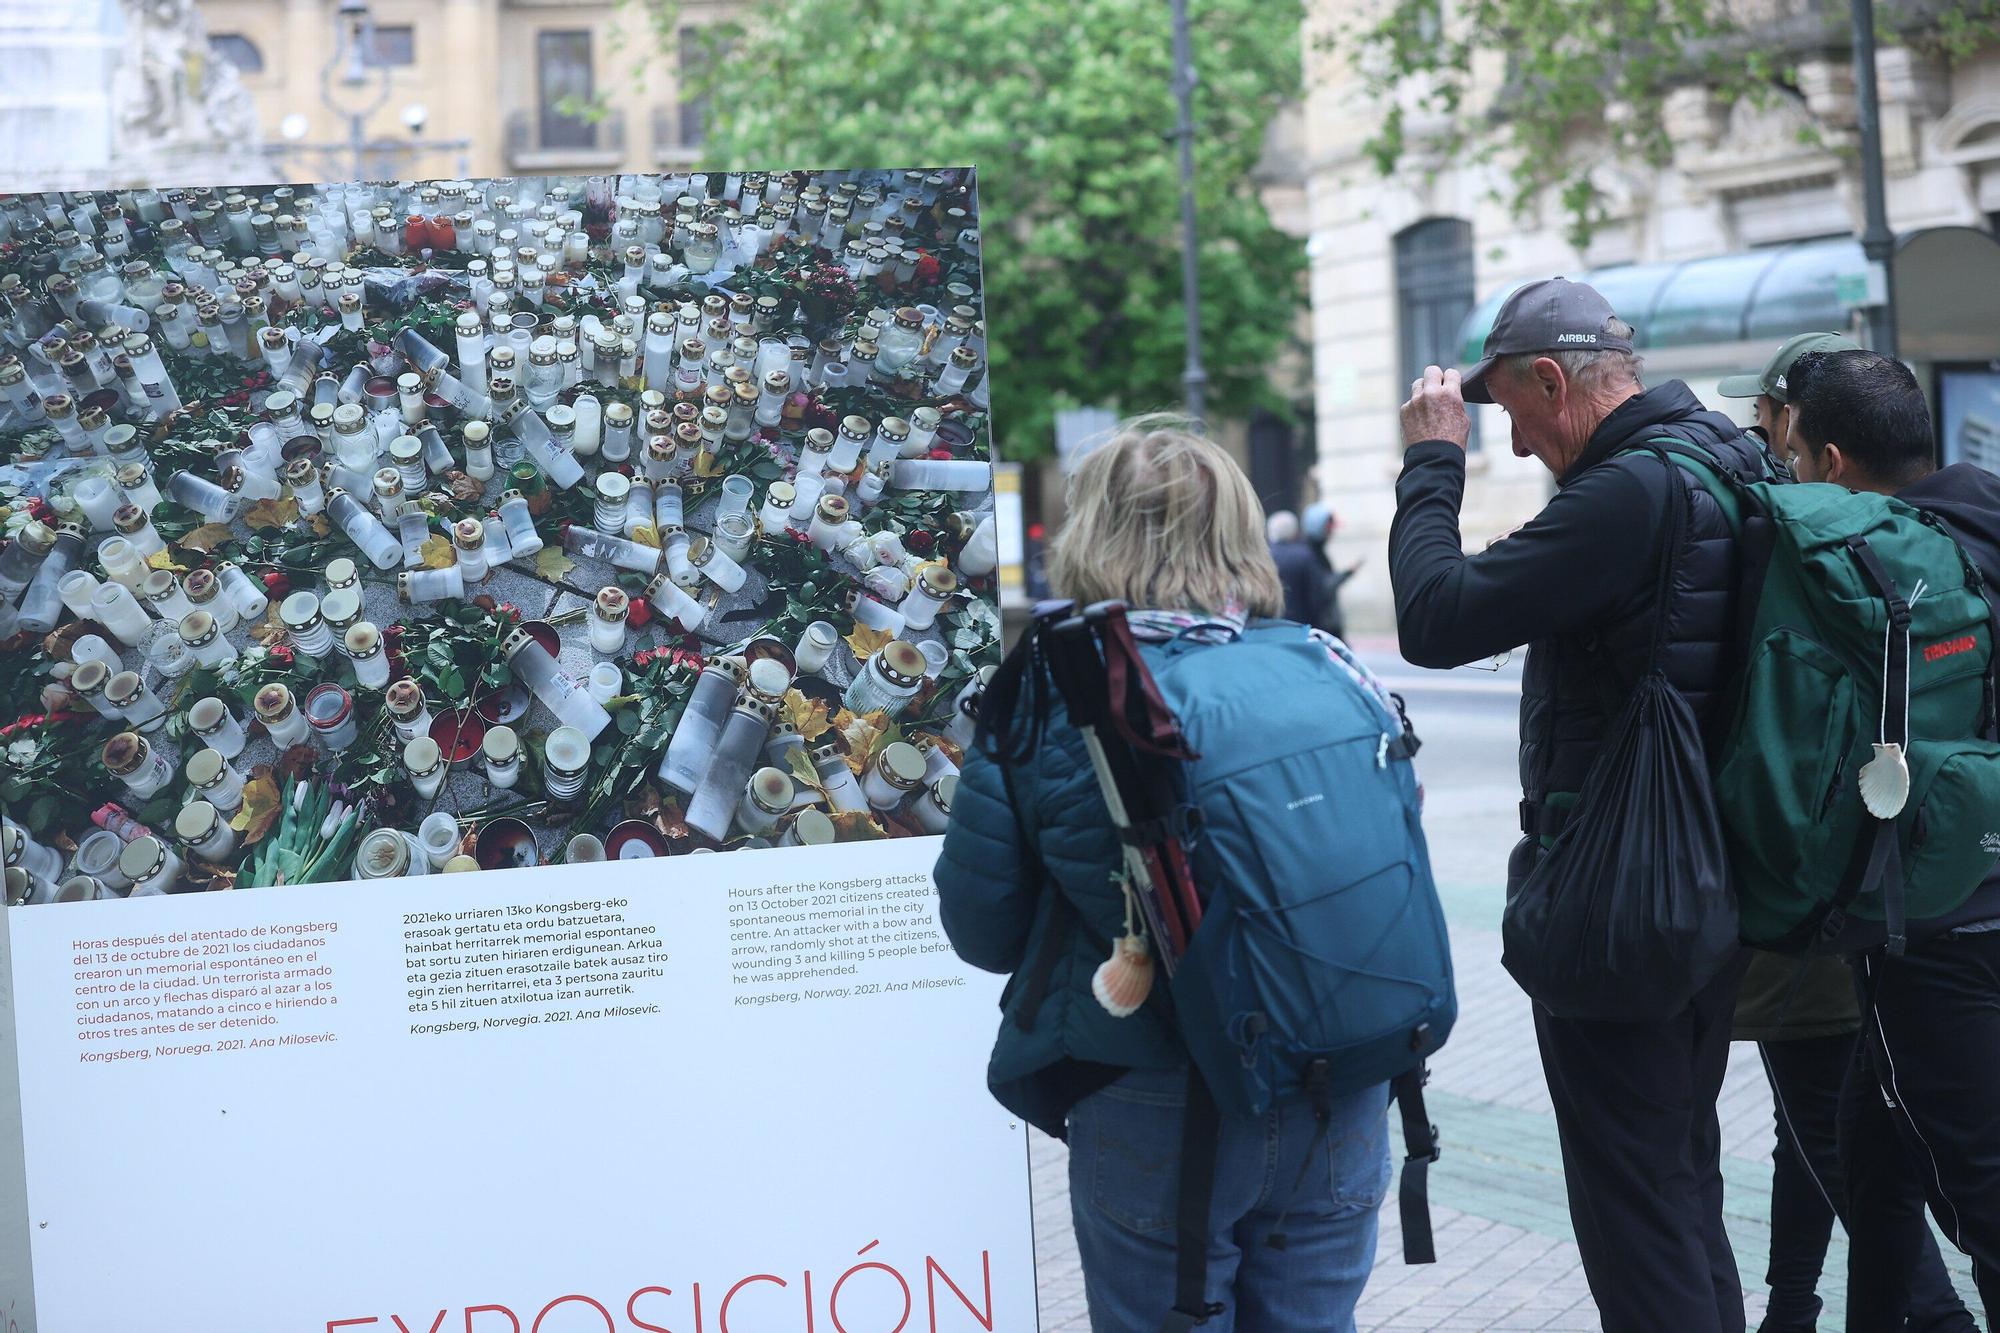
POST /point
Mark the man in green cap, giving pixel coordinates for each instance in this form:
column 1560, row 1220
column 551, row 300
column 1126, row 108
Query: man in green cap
column 1767, row 386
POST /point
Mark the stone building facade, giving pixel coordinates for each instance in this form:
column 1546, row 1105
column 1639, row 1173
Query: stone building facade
column 1747, row 236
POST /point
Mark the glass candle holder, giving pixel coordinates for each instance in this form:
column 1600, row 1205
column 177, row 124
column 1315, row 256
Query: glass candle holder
column 384, row 853
column 672, row 602
column 245, row 594
column 522, row 539
column 376, row 542
column 99, row 499
column 692, row 744
column 468, row 539
column 211, row 501
column 77, row 589
column 478, row 441
column 439, row 837
column 330, row 712
column 211, row 722
column 934, row 588
column 737, row 491
column 431, row 585
column 606, row 680
column 136, row 480
column 607, row 621
column 712, row 563
column 590, row 544
column 887, row 682
column 91, row 648
column 406, row 455
column 123, row 564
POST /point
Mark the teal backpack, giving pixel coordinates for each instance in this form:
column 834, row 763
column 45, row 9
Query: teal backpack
column 1858, row 773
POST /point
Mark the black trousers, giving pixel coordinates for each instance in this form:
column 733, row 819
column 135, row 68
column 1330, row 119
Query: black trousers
column 1635, row 1106
column 1808, row 1076
column 1923, row 1124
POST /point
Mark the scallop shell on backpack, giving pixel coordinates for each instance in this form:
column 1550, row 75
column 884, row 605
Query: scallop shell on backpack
column 1123, row 981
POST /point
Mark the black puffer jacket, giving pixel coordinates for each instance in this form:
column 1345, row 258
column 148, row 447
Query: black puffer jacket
column 1577, row 583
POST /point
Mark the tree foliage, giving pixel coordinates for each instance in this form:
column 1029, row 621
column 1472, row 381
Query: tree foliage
column 1067, row 111
column 1586, row 84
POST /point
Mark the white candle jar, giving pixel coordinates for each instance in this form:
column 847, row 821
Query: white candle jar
column 204, row 832
column 408, row 713
column 431, row 585
column 563, row 697
column 612, row 492
column 133, row 701
column 565, row 759
column 893, row 774
column 305, row 626
column 607, row 621
column 212, row 723
column 933, row 808
column 200, row 632
column 934, row 588
column 363, row 643
column 282, row 720
column 150, row 865
column 77, row 589
column 501, row 751
column 136, row 762
column 710, row 562
column 887, row 682
column 161, row 595
column 216, row 780
column 425, row 764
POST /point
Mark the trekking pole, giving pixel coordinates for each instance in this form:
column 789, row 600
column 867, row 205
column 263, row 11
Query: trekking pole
column 1078, row 672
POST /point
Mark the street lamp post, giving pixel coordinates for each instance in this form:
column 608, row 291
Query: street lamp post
column 347, row 68
column 1194, row 379
column 1878, row 243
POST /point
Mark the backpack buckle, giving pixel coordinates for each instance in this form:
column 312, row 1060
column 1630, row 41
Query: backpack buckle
column 1436, row 1151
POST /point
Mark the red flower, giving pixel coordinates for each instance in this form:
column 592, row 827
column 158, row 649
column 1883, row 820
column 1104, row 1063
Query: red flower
column 276, row 583
column 41, row 510
column 645, row 657
column 281, row 654
column 928, row 270
column 919, row 541
column 639, row 613
column 235, row 399
column 510, row 611
column 941, row 454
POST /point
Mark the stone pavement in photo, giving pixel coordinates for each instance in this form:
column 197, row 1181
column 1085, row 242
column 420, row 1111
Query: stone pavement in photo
column 1507, row 1257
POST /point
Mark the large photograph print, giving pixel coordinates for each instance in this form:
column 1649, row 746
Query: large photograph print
column 371, row 530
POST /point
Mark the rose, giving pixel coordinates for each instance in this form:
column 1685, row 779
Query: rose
column 919, row 541
column 928, row 269
column 639, row 613
column 281, row 654
column 940, row 454
column 276, row 584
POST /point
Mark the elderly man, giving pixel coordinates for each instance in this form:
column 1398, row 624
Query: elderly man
column 1634, row 1102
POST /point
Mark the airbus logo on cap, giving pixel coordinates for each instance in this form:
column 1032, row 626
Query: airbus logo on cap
column 1577, row 338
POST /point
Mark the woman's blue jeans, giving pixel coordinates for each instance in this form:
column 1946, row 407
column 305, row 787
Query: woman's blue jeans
column 1320, row 1187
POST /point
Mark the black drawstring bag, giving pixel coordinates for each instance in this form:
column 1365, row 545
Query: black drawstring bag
column 1632, row 912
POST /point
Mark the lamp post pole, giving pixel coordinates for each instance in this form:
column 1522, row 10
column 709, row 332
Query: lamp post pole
column 1878, row 243
column 1194, row 379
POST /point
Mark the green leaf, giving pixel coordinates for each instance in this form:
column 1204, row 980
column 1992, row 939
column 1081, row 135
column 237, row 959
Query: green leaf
column 496, row 675
column 452, row 682
column 627, row 720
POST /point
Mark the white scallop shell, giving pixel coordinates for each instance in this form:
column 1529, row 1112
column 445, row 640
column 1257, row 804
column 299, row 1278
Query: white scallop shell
column 1122, row 981
column 1885, row 782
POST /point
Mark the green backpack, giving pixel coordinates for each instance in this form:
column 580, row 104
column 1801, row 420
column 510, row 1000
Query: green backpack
column 1858, row 773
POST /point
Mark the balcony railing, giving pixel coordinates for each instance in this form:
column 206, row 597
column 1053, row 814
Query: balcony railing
column 552, row 143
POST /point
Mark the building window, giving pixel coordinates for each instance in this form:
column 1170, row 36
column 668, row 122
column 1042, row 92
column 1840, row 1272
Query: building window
column 694, row 57
column 563, row 77
column 392, row 46
column 1433, row 294
column 238, row 50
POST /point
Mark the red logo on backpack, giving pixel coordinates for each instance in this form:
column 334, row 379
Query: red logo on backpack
column 1937, row 652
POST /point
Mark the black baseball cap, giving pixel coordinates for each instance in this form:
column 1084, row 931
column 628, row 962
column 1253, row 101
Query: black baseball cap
column 1553, row 315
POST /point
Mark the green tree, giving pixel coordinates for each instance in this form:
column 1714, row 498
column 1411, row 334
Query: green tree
column 1587, row 83
column 1066, row 110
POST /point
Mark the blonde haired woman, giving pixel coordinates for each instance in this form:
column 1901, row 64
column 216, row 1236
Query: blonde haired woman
column 1162, row 519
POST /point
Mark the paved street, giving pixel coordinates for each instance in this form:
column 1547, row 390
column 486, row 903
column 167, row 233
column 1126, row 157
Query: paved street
column 1507, row 1253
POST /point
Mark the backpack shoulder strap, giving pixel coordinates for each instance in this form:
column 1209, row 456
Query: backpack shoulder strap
column 1715, row 477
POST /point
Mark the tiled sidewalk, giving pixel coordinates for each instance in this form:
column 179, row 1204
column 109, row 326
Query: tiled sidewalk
column 1507, row 1257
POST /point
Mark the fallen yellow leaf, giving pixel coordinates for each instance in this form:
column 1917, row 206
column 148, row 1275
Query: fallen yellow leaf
column 271, row 629
column 319, row 524
column 644, row 535
column 808, row 715
column 707, row 464
column 260, row 809
column 866, row 641
column 551, row 563
column 206, row 537
column 269, row 514
column 803, row 771
column 164, row 559
column 862, row 734
column 437, row 553
column 855, row 826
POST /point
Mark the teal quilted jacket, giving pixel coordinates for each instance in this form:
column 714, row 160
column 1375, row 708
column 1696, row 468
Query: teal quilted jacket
column 1035, row 895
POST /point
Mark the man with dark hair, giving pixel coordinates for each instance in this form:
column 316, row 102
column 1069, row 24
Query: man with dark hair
column 1931, row 1016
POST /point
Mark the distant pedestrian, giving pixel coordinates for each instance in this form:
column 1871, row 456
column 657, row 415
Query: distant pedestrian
column 1317, row 527
column 1029, row 883
column 1772, row 386
column 1298, row 572
column 1634, row 1101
